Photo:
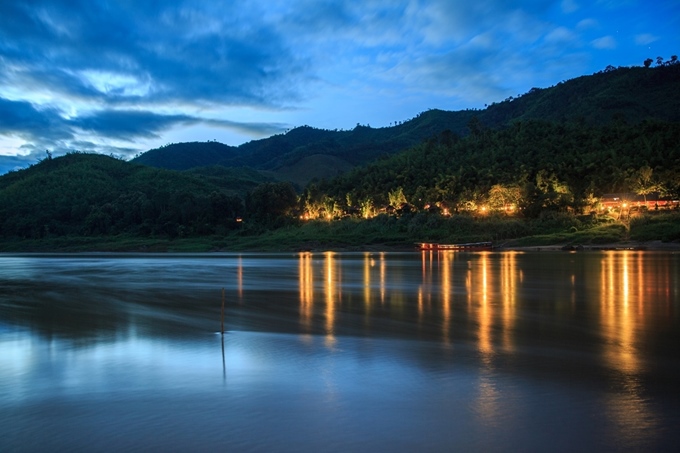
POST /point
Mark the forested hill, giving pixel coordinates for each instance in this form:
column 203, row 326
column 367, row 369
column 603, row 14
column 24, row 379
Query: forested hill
column 500, row 160
column 91, row 194
column 537, row 166
column 628, row 95
column 181, row 156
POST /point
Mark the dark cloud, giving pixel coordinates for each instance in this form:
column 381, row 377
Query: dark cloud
column 256, row 129
column 83, row 74
column 187, row 51
column 46, row 128
column 23, row 119
column 128, row 125
column 12, row 163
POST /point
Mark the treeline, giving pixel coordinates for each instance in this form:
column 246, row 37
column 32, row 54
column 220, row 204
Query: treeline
column 526, row 170
column 90, row 195
column 535, row 166
column 550, row 153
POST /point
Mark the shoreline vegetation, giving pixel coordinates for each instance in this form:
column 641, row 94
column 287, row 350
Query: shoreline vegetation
column 588, row 163
column 652, row 231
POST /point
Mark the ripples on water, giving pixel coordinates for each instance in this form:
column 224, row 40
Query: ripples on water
column 340, row 352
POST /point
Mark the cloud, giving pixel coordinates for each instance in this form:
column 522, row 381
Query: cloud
column 605, row 42
column 587, row 24
column 254, row 129
column 12, row 163
column 23, row 119
column 128, row 125
column 181, row 52
column 645, row 39
column 45, row 128
column 560, row 35
column 116, row 76
column 569, row 6
column 131, row 124
column 615, row 4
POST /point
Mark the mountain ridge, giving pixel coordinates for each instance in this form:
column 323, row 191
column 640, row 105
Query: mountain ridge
column 629, row 94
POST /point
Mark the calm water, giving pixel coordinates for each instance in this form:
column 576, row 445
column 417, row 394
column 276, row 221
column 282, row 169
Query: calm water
column 341, row 352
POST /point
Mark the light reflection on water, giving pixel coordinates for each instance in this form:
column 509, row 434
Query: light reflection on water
column 340, row 351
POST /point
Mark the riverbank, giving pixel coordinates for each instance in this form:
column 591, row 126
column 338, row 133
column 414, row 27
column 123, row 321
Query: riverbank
column 653, row 232
column 110, row 245
column 654, row 246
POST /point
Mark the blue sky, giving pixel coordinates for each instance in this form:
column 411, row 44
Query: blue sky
column 122, row 77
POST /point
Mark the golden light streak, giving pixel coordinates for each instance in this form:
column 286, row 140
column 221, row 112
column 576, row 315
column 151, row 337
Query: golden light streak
column 383, row 272
column 447, row 258
column 367, row 283
column 306, row 276
column 618, row 320
column 509, row 294
column 239, row 278
column 485, row 310
column 331, row 295
column 627, row 407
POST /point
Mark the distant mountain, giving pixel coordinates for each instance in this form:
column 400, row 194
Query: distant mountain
column 624, row 95
column 182, row 156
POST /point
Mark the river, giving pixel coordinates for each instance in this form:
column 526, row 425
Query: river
column 422, row 351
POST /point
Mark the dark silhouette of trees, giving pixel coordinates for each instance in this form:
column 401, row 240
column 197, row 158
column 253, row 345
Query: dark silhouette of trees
column 272, row 203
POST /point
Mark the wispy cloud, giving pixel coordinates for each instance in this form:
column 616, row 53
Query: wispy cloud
column 163, row 54
column 110, row 76
column 645, row 39
column 605, row 42
column 48, row 127
column 24, row 120
column 569, row 6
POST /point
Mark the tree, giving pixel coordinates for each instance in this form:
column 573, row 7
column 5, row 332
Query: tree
column 503, row 197
column 367, row 209
column 272, row 202
column 397, row 197
column 644, row 183
column 475, row 126
column 648, row 62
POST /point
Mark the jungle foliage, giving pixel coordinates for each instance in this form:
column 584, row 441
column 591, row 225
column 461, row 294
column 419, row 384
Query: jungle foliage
column 537, row 166
column 91, row 194
column 532, row 164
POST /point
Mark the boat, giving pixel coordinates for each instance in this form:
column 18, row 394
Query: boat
column 468, row 246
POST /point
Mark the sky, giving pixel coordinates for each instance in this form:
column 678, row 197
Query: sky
column 122, row 77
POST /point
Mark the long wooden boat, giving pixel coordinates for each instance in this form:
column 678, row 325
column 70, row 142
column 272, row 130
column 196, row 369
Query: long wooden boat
column 469, row 246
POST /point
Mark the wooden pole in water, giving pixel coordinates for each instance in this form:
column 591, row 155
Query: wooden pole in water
column 222, row 311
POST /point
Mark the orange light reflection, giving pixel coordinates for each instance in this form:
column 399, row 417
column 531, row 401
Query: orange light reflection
column 306, row 290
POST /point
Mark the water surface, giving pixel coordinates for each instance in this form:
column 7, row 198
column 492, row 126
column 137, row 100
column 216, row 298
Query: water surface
column 340, row 352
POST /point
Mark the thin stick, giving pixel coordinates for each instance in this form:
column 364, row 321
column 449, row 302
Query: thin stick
column 222, row 311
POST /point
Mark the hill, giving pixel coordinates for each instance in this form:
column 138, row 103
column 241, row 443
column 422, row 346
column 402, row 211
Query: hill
column 182, row 156
column 538, row 166
column 91, row 194
column 525, row 175
column 628, row 95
